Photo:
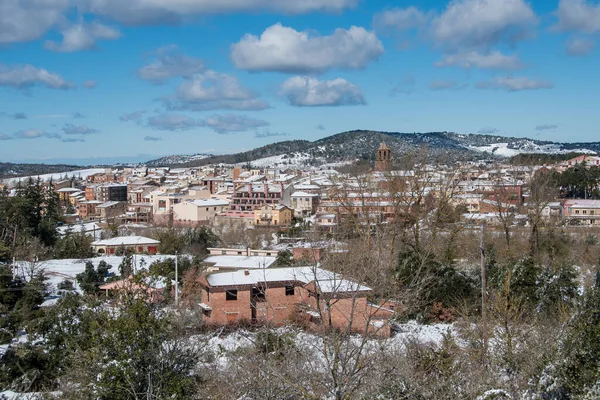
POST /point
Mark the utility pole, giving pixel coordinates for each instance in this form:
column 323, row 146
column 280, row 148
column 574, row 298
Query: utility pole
column 483, row 290
column 176, row 281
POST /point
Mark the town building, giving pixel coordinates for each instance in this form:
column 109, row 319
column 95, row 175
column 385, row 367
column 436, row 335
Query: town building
column 133, row 244
column 277, row 295
column 194, row 212
column 273, row 215
column 383, row 159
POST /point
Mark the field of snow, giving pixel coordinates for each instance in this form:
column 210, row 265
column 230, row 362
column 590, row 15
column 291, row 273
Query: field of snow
column 60, row 270
column 218, row 348
column 503, row 149
column 81, row 173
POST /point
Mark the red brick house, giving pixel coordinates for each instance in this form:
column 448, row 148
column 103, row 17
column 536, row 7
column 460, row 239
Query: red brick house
column 279, row 295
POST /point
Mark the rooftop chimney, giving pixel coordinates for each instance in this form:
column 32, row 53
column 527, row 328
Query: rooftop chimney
column 246, row 272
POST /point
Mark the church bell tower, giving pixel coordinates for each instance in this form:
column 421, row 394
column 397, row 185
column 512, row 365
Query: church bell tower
column 383, row 158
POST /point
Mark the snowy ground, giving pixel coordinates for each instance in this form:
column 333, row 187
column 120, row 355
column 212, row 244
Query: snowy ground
column 502, row 149
column 81, row 173
column 60, row 270
column 219, row 348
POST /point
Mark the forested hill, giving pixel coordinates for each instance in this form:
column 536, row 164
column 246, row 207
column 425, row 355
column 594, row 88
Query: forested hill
column 361, row 145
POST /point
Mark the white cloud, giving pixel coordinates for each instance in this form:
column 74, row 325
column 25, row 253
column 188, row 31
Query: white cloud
column 169, row 62
column 212, row 91
column 233, row 123
column 482, row 23
column 134, row 116
column 26, row 76
column 307, row 91
column 514, row 84
column 284, row 49
column 173, row 122
column 26, row 20
column 4, row 136
column 580, row 46
column 71, row 129
column 138, row 12
column 35, row 134
column 83, row 37
column 474, row 59
column 402, row 18
column 89, row 84
column 578, row 16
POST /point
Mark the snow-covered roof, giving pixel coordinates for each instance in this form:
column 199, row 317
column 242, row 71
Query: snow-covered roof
column 126, row 241
column 209, row 202
column 68, row 190
column 241, row 262
column 326, row 281
column 304, row 194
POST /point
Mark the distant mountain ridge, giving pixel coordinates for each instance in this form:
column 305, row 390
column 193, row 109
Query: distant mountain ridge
column 344, row 147
column 361, row 145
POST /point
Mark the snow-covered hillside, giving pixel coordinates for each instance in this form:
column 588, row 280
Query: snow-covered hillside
column 81, row 173
column 512, row 149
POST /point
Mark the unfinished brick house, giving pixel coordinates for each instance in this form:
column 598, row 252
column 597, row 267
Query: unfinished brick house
column 320, row 298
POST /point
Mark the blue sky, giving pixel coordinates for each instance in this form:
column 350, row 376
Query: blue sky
column 85, row 79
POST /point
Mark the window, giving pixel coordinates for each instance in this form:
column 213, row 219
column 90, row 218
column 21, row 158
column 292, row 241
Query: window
column 268, row 254
column 258, row 294
column 239, row 253
column 231, row 295
column 255, row 253
column 576, row 211
column 206, row 208
column 591, row 212
column 289, row 290
column 215, row 209
column 585, row 211
column 224, row 252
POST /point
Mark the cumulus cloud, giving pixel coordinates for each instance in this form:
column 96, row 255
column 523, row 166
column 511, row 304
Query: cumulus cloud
column 402, row 18
column 515, row 84
column 89, row 84
column 134, row 116
column 82, row 37
column 474, row 59
column 446, row 85
column 578, row 16
column 233, row 123
column 268, row 134
column 35, row 134
column 27, row 76
column 284, row 49
column 580, row 46
column 72, row 140
column 26, row 20
column 152, row 138
column 482, row 23
column 546, row 127
column 305, row 91
column 211, row 90
column 488, row 130
column 173, row 122
column 138, row 12
column 168, row 63
column 71, row 129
